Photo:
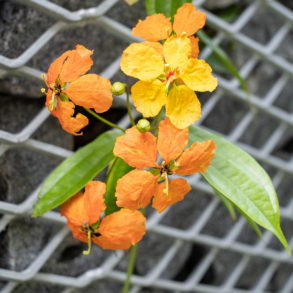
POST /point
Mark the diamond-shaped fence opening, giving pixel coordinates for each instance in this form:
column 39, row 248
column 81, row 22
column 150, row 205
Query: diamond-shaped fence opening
column 194, row 246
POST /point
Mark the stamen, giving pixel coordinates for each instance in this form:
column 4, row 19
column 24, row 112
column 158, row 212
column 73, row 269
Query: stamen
column 44, row 91
column 183, row 35
column 166, row 190
column 89, row 238
column 167, row 68
column 53, row 103
column 45, row 80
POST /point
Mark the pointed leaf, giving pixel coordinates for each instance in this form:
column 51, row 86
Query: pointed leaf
column 74, row 172
column 237, row 176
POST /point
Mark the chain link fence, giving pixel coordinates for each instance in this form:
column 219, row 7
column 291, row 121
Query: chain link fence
column 194, row 246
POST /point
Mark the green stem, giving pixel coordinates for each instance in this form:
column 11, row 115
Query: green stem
column 130, row 268
column 104, row 120
column 128, row 107
column 157, row 117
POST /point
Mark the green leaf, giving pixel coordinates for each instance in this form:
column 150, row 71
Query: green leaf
column 250, row 222
column 228, row 204
column 231, row 208
column 223, row 57
column 118, row 169
column 74, row 172
column 237, row 176
column 167, row 7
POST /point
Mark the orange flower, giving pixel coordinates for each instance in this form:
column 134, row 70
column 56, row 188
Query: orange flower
column 158, row 27
column 136, row 189
column 119, row 230
column 67, row 88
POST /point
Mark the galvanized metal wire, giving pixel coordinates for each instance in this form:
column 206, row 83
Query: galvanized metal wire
column 107, row 271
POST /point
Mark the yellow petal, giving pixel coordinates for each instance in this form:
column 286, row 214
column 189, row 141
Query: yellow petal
column 177, row 51
column 149, row 97
column 197, row 75
column 183, row 107
column 142, row 62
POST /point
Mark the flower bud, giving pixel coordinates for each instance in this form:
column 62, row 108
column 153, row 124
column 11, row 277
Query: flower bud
column 118, row 88
column 143, row 125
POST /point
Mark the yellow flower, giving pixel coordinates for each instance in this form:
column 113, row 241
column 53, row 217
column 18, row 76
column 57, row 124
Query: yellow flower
column 168, row 77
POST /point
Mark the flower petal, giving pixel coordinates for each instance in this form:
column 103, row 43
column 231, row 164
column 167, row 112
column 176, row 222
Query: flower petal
column 55, row 67
column 171, row 140
column 178, row 188
column 135, row 189
column 64, row 112
column 137, row 149
column 148, row 97
column 91, row 91
column 78, row 62
column 73, row 209
column 121, row 229
column 154, row 28
column 194, row 47
column 197, row 158
column 197, row 75
column 183, row 107
column 94, row 201
column 85, row 207
column 77, row 232
column 142, row 62
column 157, row 46
column 188, row 20
column 177, row 51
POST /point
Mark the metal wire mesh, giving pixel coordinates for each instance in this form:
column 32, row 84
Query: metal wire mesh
column 264, row 257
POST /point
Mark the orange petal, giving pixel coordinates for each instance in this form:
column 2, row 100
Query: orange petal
column 64, row 112
column 55, row 68
column 157, row 46
column 154, row 28
column 73, row 210
column 197, row 158
column 78, row 62
column 77, row 232
column 91, row 91
column 94, row 201
column 188, row 20
column 137, row 149
column 85, row 207
column 178, row 188
column 121, row 229
column 194, row 47
column 171, row 140
column 135, row 190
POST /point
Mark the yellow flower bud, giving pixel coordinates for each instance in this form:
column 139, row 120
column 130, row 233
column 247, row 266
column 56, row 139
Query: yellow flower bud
column 118, row 88
column 143, row 125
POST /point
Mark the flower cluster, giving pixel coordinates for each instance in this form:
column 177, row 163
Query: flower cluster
column 139, row 150
column 118, row 230
column 67, row 88
column 169, row 73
